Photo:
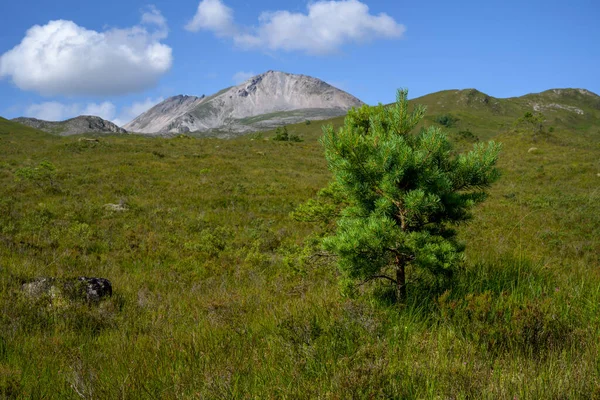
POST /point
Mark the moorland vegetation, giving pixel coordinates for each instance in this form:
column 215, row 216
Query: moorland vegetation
column 219, row 293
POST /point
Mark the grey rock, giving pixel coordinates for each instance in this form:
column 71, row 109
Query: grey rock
column 263, row 102
column 94, row 289
column 81, row 288
column 118, row 207
column 115, row 207
column 39, row 287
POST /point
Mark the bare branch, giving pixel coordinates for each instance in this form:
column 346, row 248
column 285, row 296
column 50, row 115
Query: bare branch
column 369, row 279
column 322, row 254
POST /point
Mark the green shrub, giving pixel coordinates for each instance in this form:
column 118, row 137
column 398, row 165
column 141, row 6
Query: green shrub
column 446, row 120
column 282, row 135
column 43, row 176
column 530, row 123
column 211, row 242
column 468, row 136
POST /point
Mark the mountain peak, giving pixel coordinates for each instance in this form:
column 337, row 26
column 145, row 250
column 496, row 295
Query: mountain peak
column 264, row 101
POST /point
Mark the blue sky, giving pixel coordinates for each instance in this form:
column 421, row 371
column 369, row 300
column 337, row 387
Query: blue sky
column 62, row 58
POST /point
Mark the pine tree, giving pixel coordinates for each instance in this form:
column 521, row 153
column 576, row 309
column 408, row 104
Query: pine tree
column 532, row 122
column 403, row 194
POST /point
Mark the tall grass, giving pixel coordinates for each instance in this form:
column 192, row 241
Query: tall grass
column 215, row 297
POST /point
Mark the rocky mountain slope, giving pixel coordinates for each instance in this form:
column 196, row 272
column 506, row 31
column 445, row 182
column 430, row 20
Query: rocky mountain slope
column 73, row 126
column 265, row 101
column 274, row 94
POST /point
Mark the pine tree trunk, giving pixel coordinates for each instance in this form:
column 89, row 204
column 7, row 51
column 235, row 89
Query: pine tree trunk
column 400, row 282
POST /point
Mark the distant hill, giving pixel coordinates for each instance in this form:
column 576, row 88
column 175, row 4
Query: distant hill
column 579, row 101
column 263, row 102
column 226, row 114
column 473, row 115
column 574, row 109
column 73, row 126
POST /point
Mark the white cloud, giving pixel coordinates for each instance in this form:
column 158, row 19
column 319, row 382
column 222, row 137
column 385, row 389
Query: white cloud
column 56, row 111
column 214, row 16
column 325, row 28
column 52, row 111
column 105, row 110
column 153, row 17
column 64, row 58
column 242, row 76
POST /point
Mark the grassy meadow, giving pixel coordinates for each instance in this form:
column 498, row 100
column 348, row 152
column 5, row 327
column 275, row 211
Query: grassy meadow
column 218, row 292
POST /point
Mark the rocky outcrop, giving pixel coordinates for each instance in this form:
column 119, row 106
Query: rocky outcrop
column 73, row 289
column 161, row 116
column 265, row 101
column 74, row 126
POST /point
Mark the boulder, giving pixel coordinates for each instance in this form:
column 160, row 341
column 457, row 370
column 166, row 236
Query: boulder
column 81, row 288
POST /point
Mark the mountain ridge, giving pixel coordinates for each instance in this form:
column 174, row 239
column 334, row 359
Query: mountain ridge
column 73, row 126
column 583, row 97
column 279, row 95
column 572, row 108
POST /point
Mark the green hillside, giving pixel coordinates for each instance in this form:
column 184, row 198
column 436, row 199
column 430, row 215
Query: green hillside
column 574, row 111
column 218, row 293
column 13, row 128
column 486, row 116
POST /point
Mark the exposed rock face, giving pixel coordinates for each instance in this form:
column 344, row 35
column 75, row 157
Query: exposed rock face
column 265, row 101
column 160, row 116
column 73, row 126
column 567, row 92
column 81, row 288
column 576, row 98
column 544, row 107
